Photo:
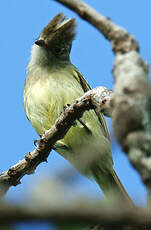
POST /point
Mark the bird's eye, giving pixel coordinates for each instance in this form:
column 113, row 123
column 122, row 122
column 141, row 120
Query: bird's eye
column 59, row 50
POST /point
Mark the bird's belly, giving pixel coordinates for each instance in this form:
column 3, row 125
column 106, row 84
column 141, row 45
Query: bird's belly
column 44, row 100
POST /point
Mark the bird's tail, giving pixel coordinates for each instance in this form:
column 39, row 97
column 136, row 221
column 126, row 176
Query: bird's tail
column 111, row 185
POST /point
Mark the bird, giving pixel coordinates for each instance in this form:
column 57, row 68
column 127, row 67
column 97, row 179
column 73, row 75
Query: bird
column 51, row 84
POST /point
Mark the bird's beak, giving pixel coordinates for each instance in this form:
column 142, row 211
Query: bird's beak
column 40, row 43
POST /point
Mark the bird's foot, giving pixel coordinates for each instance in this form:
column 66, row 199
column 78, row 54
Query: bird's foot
column 36, row 142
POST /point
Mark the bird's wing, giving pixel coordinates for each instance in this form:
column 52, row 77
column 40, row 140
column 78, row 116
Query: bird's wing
column 86, row 88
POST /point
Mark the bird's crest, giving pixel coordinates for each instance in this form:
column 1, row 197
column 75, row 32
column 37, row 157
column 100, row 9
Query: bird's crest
column 59, row 30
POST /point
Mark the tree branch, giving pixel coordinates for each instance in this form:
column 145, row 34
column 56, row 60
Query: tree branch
column 96, row 98
column 120, row 39
column 132, row 93
column 118, row 215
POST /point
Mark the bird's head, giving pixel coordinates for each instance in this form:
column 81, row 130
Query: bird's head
column 56, row 38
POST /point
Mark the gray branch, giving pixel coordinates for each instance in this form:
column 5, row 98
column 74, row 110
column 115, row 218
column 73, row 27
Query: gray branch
column 119, row 38
column 96, row 98
column 131, row 107
column 79, row 213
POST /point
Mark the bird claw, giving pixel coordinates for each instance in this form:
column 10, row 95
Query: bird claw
column 36, row 142
column 63, row 108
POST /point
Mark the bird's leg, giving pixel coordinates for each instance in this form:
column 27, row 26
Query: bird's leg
column 84, row 125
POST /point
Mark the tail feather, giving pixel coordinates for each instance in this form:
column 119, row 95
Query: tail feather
column 111, row 185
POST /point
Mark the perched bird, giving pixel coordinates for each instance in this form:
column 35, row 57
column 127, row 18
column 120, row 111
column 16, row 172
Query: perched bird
column 53, row 82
